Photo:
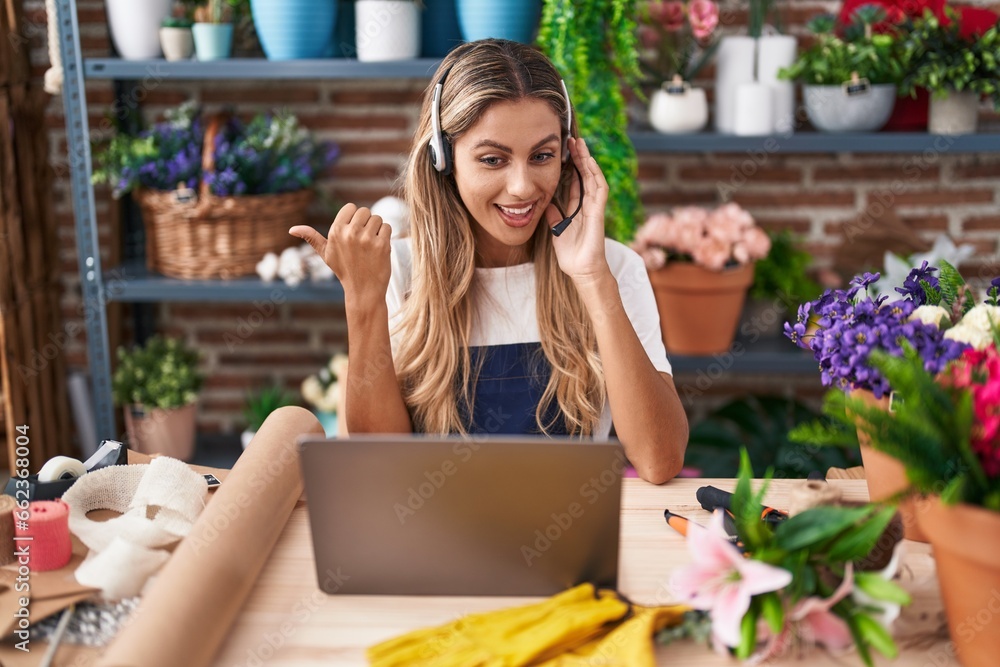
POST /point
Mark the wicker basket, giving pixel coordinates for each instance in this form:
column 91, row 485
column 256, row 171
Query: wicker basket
column 201, row 235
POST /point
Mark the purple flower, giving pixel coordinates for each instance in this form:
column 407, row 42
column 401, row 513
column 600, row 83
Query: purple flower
column 913, row 286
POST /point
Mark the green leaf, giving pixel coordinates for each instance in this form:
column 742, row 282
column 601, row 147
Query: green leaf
column 773, row 612
column 859, row 541
column 816, row 525
column 879, row 588
column 748, row 633
column 875, row 635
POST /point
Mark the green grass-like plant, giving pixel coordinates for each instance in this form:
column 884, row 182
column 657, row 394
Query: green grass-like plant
column 783, row 273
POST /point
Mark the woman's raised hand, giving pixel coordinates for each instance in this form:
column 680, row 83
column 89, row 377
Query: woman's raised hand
column 357, row 250
column 580, row 249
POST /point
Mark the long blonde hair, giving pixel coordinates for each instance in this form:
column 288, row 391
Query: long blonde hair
column 433, row 361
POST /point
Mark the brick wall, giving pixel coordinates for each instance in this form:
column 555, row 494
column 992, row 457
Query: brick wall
column 244, row 344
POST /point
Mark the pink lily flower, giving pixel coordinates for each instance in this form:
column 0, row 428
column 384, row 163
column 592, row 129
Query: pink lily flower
column 704, row 17
column 722, row 581
column 818, row 625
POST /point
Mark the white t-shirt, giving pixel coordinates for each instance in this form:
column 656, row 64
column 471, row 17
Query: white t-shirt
column 505, row 332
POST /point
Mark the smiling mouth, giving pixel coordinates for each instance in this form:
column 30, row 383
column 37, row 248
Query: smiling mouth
column 517, row 216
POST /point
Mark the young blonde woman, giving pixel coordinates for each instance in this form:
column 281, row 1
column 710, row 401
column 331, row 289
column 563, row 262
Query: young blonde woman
column 485, row 320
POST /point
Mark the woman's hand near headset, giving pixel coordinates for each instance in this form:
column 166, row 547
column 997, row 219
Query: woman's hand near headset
column 580, row 248
column 357, row 249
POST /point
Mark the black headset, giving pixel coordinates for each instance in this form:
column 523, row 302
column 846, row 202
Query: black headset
column 441, row 152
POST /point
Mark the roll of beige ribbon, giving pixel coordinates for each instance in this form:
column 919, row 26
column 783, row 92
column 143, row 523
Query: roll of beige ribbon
column 188, row 610
column 7, row 507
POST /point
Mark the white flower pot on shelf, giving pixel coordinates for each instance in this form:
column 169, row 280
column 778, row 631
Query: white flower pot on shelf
column 246, row 437
column 387, row 30
column 775, row 52
column 135, row 27
column 677, row 108
column 832, row 109
column 754, row 110
column 958, row 113
column 177, row 43
column 734, row 65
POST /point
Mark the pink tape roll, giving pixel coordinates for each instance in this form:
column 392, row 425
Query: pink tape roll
column 49, row 546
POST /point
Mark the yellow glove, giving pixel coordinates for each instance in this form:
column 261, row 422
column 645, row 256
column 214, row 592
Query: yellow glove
column 508, row 637
column 629, row 644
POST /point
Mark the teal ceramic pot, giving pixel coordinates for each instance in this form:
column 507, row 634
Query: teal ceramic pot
column 294, row 29
column 516, row 20
column 212, row 41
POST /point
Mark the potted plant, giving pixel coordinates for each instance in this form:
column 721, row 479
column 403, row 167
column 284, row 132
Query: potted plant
column 853, row 325
column 158, row 384
column 849, row 82
column 749, row 97
column 678, row 39
column 216, row 220
column 134, row 27
column 700, row 264
column 781, row 282
column 213, row 33
column 388, row 29
column 324, row 391
column 945, row 434
column 176, row 38
column 294, row 29
column 957, row 68
column 593, row 44
column 515, row 20
column 259, row 405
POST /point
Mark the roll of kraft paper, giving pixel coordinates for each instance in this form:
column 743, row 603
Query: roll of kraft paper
column 7, row 507
column 49, row 546
column 187, row 612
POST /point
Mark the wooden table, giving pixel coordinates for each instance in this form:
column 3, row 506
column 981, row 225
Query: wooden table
column 288, row 622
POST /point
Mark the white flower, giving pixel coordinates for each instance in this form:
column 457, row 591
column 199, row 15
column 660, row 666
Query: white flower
column 888, row 611
column 267, row 268
column 980, row 318
column 935, row 315
column 339, row 366
column 897, row 268
column 979, row 340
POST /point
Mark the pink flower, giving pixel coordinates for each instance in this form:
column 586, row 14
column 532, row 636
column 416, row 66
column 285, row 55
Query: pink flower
column 817, row 624
column 712, row 253
column 722, row 581
column 704, row 17
column 758, row 243
column 654, row 258
column 670, row 14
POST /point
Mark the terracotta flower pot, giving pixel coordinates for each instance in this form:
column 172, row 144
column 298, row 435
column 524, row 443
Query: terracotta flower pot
column 886, row 475
column 167, row 432
column 966, row 540
column 699, row 309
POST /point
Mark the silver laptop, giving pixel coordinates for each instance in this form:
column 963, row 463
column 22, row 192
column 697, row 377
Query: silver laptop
column 511, row 515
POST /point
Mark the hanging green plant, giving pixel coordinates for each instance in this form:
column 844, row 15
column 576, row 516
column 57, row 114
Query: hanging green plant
column 593, row 45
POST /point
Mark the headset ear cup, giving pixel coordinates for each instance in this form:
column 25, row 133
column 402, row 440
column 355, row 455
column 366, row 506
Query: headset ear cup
column 446, row 154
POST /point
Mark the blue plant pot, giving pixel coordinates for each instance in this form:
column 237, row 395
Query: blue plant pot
column 516, row 20
column 329, row 422
column 212, row 41
column 342, row 43
column 439, row 31
column 294, row 29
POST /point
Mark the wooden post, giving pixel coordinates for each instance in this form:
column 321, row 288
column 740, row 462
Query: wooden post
column 32, row 338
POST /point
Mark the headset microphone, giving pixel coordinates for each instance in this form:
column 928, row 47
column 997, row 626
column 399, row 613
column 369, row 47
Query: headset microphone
column 559, row 228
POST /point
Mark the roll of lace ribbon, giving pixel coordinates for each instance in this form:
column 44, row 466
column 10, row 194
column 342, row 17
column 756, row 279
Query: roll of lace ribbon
column 7, row 507
column 46, row 534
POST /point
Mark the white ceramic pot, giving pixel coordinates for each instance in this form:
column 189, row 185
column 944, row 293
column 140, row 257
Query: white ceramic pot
column 734, row 65
column 775, row 52
column 958, row 113
column 387, row 30
column 678, row 109
column 177, row 43
column 246, row 437
column 831, row 109
column 754, row 110
column 135, row 27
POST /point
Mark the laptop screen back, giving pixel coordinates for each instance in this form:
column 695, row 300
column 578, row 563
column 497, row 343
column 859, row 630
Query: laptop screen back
column 449, row 516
